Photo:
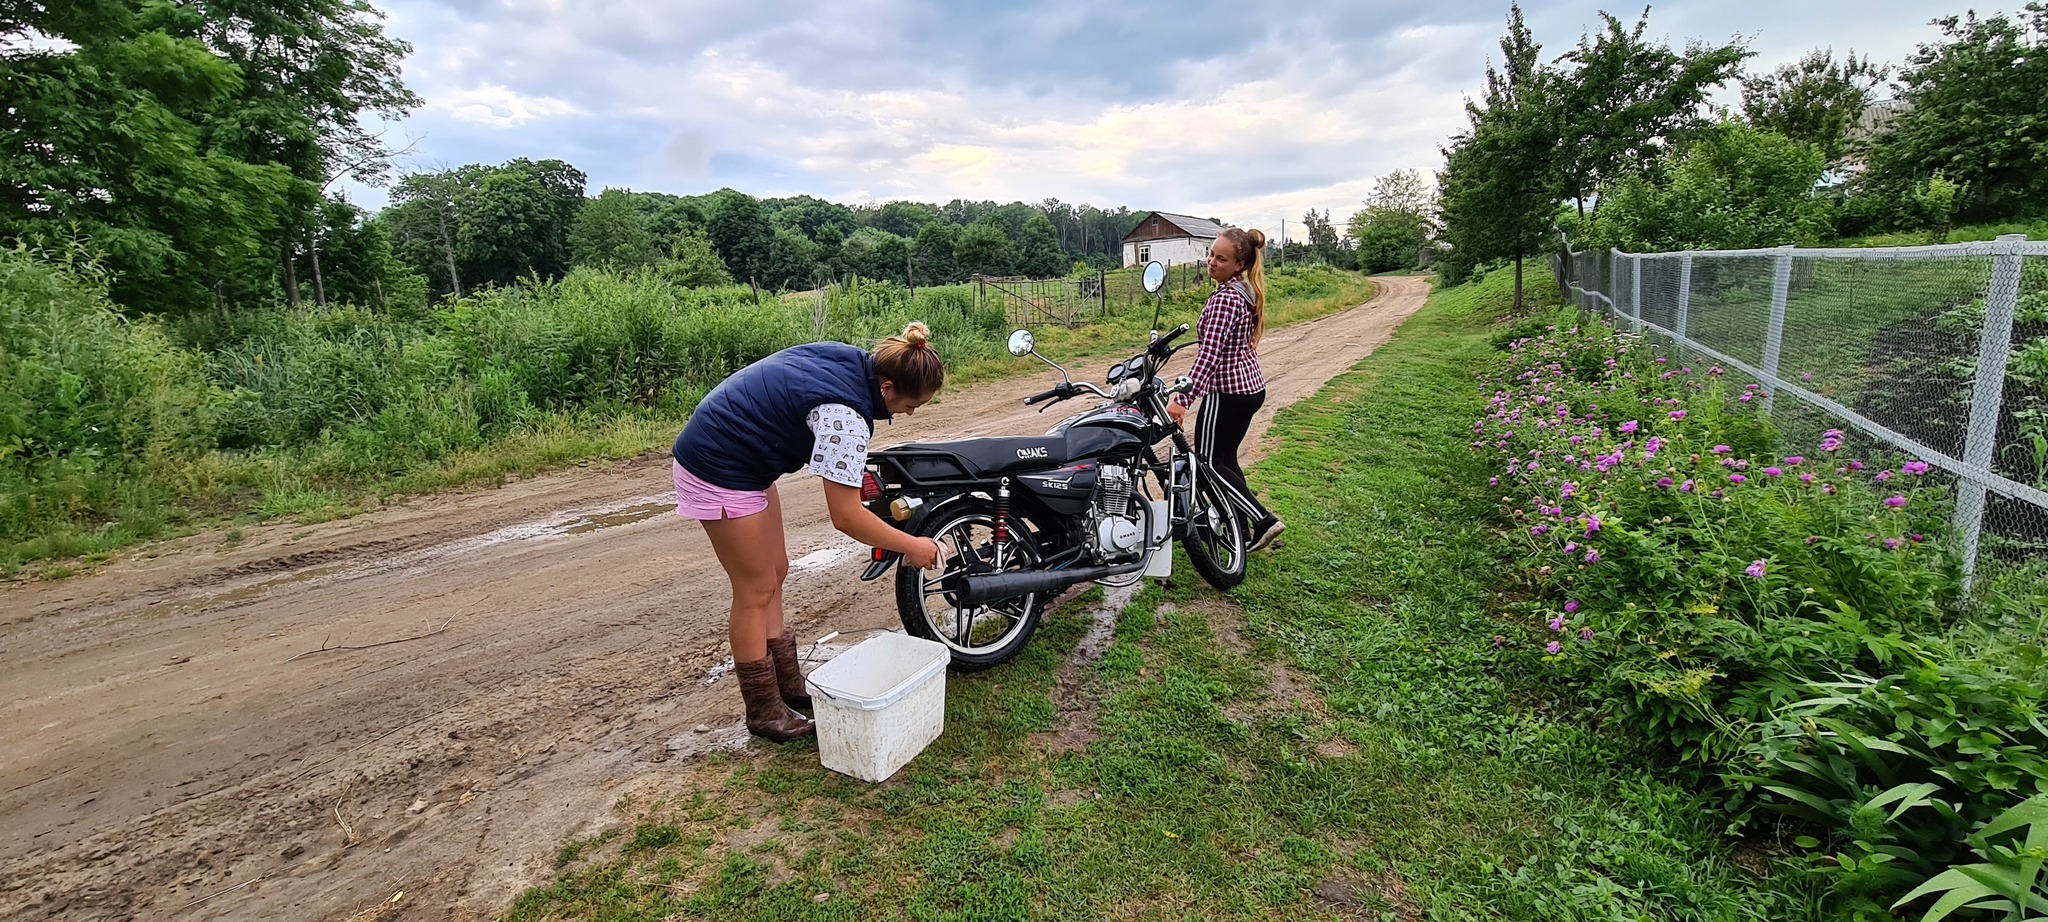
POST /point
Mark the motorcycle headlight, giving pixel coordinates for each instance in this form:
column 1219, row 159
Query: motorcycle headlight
column 1128, row 388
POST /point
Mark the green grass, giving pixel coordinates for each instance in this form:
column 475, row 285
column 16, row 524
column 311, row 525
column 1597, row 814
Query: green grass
column 2035, row 230
column 1338, row 738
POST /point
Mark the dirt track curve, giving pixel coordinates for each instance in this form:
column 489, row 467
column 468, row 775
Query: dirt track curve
column 163, row 754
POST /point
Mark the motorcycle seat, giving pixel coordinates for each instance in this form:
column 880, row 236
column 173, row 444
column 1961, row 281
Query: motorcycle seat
column 995, row 456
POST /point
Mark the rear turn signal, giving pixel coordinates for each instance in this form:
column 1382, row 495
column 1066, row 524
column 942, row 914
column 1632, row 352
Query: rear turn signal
column 870, row 488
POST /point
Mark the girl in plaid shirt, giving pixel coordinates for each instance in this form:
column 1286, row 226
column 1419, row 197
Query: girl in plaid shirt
column 1226, row 368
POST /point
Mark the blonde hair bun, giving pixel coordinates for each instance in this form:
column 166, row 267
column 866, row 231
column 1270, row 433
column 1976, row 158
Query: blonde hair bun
column 1258, row 238
column 910, row 362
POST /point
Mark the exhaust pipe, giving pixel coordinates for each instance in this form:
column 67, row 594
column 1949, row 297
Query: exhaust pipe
column 983, row 588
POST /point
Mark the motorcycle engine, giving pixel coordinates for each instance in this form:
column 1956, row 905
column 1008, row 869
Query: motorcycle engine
column 1116, row 523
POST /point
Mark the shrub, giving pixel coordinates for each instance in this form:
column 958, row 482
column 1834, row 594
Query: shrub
column 1734, row 187
column 1779, row 622
column 1711, row 575
column 90, row 401
column 1903, row 768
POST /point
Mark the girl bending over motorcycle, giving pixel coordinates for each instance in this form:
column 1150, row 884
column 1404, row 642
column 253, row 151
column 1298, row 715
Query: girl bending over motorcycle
column 812, row 408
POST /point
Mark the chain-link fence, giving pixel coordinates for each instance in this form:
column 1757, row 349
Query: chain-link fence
column 1939, row 353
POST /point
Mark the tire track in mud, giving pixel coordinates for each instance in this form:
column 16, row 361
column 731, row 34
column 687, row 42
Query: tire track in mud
column 161, row 750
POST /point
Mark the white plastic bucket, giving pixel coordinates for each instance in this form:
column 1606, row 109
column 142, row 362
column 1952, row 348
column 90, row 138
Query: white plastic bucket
column 879, row 704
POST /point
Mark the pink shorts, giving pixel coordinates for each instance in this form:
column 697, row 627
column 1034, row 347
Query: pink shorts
column 702, row 501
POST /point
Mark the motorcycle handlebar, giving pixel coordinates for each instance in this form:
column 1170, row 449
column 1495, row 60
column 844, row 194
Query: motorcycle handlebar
column 1041, row 398
column 1159, row 346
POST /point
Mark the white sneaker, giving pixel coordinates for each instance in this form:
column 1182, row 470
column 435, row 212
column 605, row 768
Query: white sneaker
column 1264, row 539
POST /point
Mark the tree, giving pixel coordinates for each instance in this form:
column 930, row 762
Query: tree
column 903, row 219
column 811, row 216
column 516, row 220
column 669, row 217
column 1406, row 191
column 107, row 142
column 1733, row 187
column 1817, row 100
column 1499, row 180
column 358, row 264
column 876, row 254
column 932, row 254
column 739, row 230
column 692, row 262
column 609, row 232
column 424, row 220
column 477, row 225
column 1038, row 252
column 1975, row 111
column 312, row 70
column 1626, row 101
column 1322, row 237
column 982, row 249
column 1398, row 219
column 792, row 262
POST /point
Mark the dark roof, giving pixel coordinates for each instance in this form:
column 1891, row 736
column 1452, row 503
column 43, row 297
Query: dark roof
column 1196, row 227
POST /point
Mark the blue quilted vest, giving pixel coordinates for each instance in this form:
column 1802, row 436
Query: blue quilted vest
column 754, row 426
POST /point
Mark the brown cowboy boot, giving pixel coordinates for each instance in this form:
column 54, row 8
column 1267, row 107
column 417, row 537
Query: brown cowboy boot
column 788, row 676
column 767, row 716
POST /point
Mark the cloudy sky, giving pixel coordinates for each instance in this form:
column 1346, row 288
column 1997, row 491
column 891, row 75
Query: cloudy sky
column 1224, row 109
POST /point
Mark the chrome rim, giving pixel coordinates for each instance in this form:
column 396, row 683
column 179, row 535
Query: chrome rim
column 967, row 545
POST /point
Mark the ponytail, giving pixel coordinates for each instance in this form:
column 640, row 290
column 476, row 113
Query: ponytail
column 1251, row 253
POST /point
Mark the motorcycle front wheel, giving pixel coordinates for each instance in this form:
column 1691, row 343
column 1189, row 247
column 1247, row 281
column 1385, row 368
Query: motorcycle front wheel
column 1215, row 538
column 978, row 636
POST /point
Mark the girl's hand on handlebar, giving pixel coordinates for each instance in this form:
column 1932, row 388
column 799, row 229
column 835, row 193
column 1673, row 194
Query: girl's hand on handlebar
column 1176, row 411
column 923, row 555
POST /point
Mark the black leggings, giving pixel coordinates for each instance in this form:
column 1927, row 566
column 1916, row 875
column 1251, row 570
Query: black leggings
column 1219, row 432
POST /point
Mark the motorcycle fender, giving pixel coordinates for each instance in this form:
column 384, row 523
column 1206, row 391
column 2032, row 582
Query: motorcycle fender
column 880, row 566
column 888, row 559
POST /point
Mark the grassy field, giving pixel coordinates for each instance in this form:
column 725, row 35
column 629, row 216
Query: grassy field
column 1339, row 738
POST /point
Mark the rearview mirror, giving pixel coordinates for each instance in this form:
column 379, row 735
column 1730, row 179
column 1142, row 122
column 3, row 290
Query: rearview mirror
column 1020, row 342
column 1155, row 277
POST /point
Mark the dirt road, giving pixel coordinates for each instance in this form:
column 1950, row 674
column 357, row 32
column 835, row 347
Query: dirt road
column 172, row 746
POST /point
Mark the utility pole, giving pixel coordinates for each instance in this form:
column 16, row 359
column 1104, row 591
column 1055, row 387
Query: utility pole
column 1283, row 243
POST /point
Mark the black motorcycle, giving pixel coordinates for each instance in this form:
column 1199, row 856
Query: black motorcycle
column 1018, row 520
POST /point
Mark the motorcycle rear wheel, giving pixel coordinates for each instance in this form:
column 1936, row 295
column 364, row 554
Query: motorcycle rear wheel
column 1215, row 538
column 978, row 637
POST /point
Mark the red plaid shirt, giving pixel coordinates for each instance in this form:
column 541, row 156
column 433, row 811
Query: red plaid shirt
column 1225, row 361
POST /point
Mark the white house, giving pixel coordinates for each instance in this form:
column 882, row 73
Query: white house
column 1174, row 239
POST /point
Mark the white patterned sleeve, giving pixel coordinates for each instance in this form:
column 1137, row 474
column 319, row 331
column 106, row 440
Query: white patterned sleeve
column 839, row 451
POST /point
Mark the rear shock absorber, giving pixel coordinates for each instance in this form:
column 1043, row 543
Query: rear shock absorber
column 1002, row 528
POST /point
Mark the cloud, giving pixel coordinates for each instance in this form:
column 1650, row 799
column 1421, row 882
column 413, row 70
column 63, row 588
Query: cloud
column 496, row 106
column 1205, row 106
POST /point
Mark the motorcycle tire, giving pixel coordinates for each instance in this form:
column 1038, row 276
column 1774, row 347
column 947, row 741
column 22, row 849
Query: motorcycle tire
column 984, row 636
column 1215, row 539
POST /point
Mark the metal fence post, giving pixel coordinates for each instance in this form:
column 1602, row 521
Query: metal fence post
column 1987, row 397
column 1774, row 336
column 1684, row 294
column 1635, row 292
column 1613, row 282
